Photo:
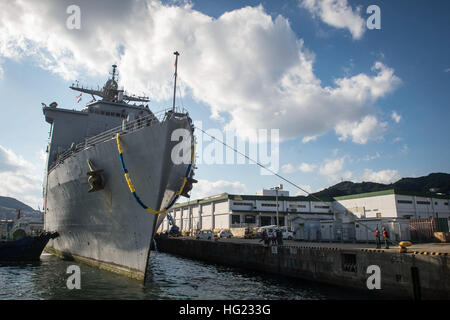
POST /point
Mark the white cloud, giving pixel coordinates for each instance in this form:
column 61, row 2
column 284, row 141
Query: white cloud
column 382, row 176
column 396, row 117
column 333, row 170
column 375, row 156
column 361, row 132
column 308, row 139
column 338, row 14
column 287, row 168
column 223, row 61
column 206, row 188
column 19, row 178
column 305, row 167
column 398, row 139
column 404, row 148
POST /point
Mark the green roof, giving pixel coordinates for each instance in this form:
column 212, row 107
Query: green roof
column 367, row 194
column 221, row 196
column 391, row 191
column 238, row 197
column 281, row 212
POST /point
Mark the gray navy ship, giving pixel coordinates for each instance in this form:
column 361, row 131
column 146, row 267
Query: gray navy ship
column 111, row 176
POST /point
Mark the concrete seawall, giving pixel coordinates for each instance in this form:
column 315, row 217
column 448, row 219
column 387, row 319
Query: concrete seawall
column 403, row 275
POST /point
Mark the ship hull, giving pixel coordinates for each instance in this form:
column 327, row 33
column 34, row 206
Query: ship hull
column 108, row 228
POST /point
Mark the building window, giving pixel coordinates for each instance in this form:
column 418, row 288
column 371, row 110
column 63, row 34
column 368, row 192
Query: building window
column 404, row 201
column 265, row 221
column 322, row 207
column 269, row 205
column 297, row 205
column 242, row 203
column 445, row 203
column 235, row 219
column 423, row 202
column 250, row 219
column 378, row 214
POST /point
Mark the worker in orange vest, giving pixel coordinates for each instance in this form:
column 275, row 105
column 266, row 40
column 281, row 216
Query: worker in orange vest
column 386, row 238
column 377, row 238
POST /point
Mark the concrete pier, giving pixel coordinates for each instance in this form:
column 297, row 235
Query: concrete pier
column 412, row 275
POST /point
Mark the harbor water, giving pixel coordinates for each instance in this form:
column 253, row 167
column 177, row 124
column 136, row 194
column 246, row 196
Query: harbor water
column 171, row 277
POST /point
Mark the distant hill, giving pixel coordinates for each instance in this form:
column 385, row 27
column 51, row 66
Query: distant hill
column 8, row 202
column 439, row 182
column 9, row 206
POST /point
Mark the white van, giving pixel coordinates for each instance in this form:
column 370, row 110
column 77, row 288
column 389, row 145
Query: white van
column 205, row 234
column 287, row 235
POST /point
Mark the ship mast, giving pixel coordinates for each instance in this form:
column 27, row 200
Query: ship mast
column 175, row 83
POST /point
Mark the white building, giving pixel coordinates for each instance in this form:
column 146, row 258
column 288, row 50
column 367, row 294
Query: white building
column 390, row 204
column 226, row 211
column 347, row 218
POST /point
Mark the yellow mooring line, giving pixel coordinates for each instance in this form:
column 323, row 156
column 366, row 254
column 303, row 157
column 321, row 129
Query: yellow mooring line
column 133, row 190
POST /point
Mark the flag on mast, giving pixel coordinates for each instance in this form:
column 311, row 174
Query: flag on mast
column 79, row 98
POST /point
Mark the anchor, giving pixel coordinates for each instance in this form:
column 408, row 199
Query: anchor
column 95, row 179
column 188, row 187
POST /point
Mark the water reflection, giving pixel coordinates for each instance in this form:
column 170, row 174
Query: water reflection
column 170, row 277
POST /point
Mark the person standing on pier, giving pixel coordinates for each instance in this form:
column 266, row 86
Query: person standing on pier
column 265, row 238
column 377, row 238
column 386, row 237
column 279, row 237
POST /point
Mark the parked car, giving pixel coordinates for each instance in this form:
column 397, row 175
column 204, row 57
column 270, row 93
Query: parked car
column 225, row 234
column 205, row 234
column 287, row 235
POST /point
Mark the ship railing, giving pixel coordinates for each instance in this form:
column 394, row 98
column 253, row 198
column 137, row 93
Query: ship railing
column 125, row 127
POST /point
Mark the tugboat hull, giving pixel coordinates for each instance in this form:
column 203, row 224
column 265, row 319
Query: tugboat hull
column 26, row 249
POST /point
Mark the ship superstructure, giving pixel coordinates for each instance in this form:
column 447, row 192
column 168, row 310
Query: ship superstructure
column 111, row 176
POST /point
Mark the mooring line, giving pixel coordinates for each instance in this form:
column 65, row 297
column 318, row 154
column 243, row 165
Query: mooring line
column 261, row 165
column 133, row 190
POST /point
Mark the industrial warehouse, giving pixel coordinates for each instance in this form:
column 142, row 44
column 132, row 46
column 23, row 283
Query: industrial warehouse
column 348, row 218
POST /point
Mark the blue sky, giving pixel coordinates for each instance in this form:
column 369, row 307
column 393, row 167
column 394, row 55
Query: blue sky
column 366, row 123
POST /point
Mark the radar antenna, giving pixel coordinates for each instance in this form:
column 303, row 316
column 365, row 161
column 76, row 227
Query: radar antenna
column 110, row 90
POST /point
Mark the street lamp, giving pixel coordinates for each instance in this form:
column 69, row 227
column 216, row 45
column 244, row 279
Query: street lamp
column 276, row 200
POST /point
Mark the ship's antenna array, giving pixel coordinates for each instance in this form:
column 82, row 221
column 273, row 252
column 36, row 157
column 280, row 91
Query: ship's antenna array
column 175, row 82
column 259, row 164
